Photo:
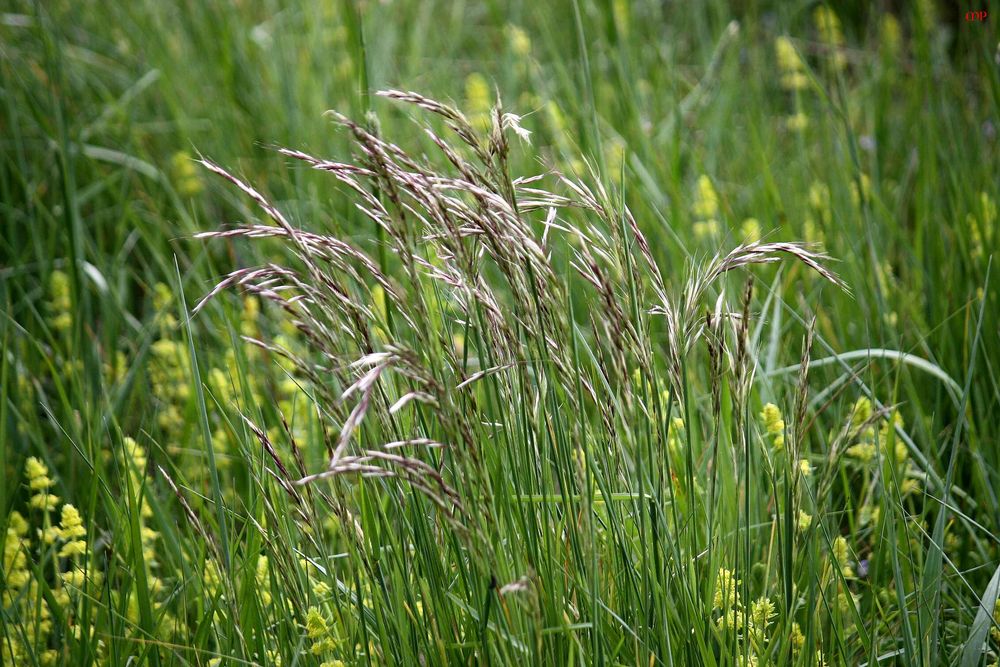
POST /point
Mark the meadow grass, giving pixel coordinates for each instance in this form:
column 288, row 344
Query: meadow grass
column 641, row 333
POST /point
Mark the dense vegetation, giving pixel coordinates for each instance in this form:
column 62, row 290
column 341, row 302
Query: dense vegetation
column 666, row 335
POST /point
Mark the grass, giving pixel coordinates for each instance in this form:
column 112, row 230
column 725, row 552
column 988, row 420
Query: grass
column 431, row 413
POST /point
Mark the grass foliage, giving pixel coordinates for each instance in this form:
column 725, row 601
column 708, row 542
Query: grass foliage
column 641, row 334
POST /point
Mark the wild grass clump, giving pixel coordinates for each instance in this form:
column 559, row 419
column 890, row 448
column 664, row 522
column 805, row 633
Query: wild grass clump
column 507, row 398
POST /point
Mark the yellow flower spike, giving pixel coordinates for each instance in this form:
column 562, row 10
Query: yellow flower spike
column 61, row 305
column 251, row 311
column 38, row 474
column 74, row 578
column 73, row 548
column 862, row 412
column 805, row 469
column 791, row 65
column 44, row 501
column 863, row 452
column 828, row 26
column 797, row 122
column 519, row 41
column 774, row 425
column 706, row 203
column 614, row 157
column 135, row 453
column 316, row 627
column 750, row 229
column 17, row 523
column 803, row 522
column 185, row 174
column 762, row 612
column 726, row 586
column 819, row 196
column 797, row 638
column 71, row 525
column 212, row 577
column 478, row 100
column 891, row 35
column 840, row 549
column 261, row 577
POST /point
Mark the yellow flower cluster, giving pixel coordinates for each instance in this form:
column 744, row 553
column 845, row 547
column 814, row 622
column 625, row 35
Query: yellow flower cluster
column 185, row 175
column 757, row 616
column 319, row 632
column 61, row 304
column 774, row 425
column 705, row 209
column 22, row 595
column 169, row 376
column 15, row 559
column 71, row 530
column 791, row 65
column 841, row 555
column 519, row 41
column 750, row 229
column 726, row 590
column 797, row 122
column 828, row 26
column 40, row 482
column 890, row 34
column 478, row 100
column 865, row 449
column 798, row 639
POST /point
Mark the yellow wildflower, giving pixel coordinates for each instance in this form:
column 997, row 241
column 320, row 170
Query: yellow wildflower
column 71, row 525
column 890, row 34
column 828, row 26
column 863, row 451
column 706, row 203
column 185, row 174
column 73, row 548
column 38, row 474
column 803, row 522
column 44, row 501
column 478, row 100
column 774, row 425
column 519, row 41
column 762, row 612
column 135, row 453
column 797, row 638
column 61, row 305
column 797, row 122
column 750, row 229
column 74, row 578
column 261, row 576
column 793, row 69
column 726, row 595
